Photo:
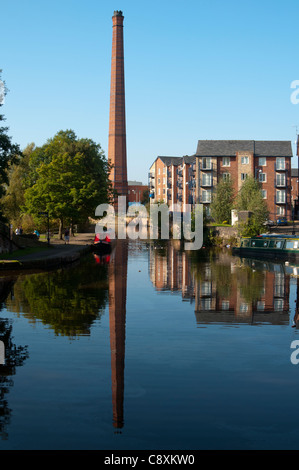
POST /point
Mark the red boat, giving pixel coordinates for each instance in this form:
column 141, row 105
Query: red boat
column 101, row 246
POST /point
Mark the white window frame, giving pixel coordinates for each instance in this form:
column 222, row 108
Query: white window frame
column 262, row 161
column 281, row 176
column 206, row 179
column 245, row 160
column 280, row 163
column 262, row 177
column 279, row 194
column 280, row 210
column 208, row 163
column 244, row 176
column 206, row 195
column 226, row 176
column 225, row 161
column 264, row 193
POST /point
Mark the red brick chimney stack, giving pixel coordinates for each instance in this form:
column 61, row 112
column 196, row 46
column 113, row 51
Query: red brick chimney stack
column 117, row 149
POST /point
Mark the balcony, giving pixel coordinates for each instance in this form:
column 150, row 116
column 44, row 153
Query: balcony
column 280, row 167
column 206, row 183
column 280, row 184
column 280, row 200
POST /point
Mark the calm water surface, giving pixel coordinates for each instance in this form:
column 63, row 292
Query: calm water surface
column 150, row 349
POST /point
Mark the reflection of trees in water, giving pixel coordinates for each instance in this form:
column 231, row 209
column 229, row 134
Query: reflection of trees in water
column 14, row 357
column 69, row 300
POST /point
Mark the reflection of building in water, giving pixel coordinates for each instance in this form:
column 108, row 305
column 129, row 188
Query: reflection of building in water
column 255, row 295
column 170, row 270
column 117, row 319
column 223, row 291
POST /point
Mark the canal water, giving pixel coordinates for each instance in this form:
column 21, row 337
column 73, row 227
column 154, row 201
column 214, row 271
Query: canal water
column 151, row 348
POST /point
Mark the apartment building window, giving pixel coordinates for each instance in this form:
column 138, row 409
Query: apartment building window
column 206, row 196
column 159, row 170
column 281, row 196
column 163, row 190
column 159, row 191
column 262, row 177
column 244, row 160
column 164, row 170
column 225, row 305
column 278, row 304
column 280, row 163
column 206, row 288
column 244, row 307
column 164, row 180
column 159, row 181
column 206, row 163
column 226, row 161
column 226, row 176
column 244, row 176
column 206, row 179
column 280, row 210
column 262, row 161
column 264, row 193
column 280, row 179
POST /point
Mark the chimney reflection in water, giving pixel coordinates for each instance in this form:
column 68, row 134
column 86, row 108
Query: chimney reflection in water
column 117, row 319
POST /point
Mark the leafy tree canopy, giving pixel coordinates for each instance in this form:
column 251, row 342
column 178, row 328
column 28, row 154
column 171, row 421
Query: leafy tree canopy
column 250, row 199
column 68, row 178
column 222, row 203
column 8, row 151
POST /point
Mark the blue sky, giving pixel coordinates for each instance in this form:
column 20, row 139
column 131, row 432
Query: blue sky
column 205, row 69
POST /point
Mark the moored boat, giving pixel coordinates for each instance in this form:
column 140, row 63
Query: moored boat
column 273, row 245
column 102, row 246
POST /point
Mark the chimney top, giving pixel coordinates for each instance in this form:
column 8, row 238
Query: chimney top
column 118, row 13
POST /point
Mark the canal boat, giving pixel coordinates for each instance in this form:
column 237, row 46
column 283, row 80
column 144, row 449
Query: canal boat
column 102, row 246
column 269, row 245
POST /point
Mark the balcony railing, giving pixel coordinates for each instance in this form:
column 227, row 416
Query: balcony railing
column 280, row 184
column 280, row 167
column 206, row 183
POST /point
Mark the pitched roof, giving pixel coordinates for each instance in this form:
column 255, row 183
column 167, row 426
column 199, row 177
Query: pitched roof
column 228, row 148
column 189, row 159
column 171, row 160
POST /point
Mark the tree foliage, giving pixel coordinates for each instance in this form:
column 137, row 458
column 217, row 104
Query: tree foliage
column 68, row 178
column 250, row 199
column 223, row 200
column 13, row 201
column 9, row 153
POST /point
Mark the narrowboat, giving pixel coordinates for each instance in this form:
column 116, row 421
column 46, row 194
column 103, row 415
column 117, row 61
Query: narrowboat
column 102, row 246
column 269, row 245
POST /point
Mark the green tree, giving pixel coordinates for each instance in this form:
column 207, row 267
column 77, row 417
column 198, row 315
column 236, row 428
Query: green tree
column 222, row 202
column 8, row 151
column 69, row 178
column 13, row 201
column 250, row 199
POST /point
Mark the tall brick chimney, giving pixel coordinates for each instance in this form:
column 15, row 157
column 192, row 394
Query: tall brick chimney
column 117, row 148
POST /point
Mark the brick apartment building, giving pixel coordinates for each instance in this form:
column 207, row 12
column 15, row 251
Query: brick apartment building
column 136, row 191
column 172, row 180
column 193, row 179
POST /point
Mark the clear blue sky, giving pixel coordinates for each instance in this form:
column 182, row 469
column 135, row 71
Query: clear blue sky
column 204, row 69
